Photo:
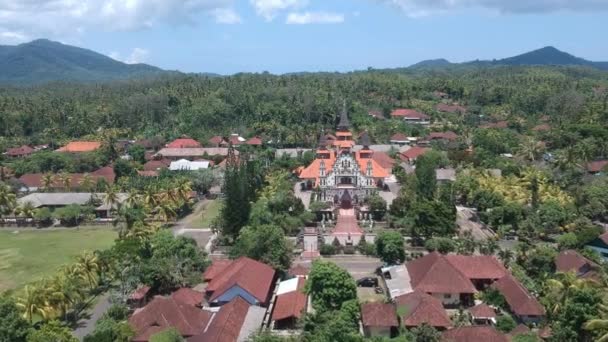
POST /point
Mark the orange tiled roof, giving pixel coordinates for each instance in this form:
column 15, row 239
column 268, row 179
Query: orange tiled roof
column 377, row 170
column 344, row 143
column 344, row 134
column 80, row 146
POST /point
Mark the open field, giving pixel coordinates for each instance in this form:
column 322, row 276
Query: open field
column 31, row 254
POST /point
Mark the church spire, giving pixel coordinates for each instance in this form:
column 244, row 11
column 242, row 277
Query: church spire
column 344, row 124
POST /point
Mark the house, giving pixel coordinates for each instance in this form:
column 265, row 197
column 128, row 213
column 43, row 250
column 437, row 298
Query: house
column 244, row 277
column 218, row 141
column 54, row 200
column 236, row 321
column 183, row 142
column 189, row 296
column 163, row 313
column 186, row 165
column 571, row 261
column 445, row 175
column 80, row 147
column 150, row 144
column 411, row 116
column 474, row 333
column 379, row 320
column 454, row 108
column 192, row 153
column 19, row 152
column 235, row 140
column 399, row 139
column 157, row 164
column 483, row 314
column 32, row 182
column 255, row 141
column 418, row 308
column 298, row 270
column 596, row 167
column 440, row 95
column 600, row 244
column 521, row 303
column 442, row 136
column 412, row 154
column 290, row 304
column 139, row 297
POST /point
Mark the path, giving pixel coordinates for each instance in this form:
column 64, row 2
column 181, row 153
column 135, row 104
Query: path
column 86, row 326
column 465, row 220
column 196, row 212
column 303, row 195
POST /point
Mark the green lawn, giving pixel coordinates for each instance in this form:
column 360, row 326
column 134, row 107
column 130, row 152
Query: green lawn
column 32, row 254
column 205, row 217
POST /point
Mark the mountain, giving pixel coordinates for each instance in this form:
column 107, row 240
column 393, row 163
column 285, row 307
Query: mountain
column 544, row 56
column 43, row 60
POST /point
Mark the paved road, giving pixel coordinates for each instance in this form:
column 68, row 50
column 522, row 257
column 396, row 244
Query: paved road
column 86, row 326
column 357, row 265
column 465, row 222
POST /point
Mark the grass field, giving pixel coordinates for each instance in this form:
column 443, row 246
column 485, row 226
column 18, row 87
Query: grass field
column 32, row 254
column 205, row 217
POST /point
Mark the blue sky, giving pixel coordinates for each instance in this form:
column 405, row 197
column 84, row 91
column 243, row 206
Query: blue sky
column 228, row 36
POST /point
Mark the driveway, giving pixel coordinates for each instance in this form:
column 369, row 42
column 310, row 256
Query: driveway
column 86, row 326
column 466, row 220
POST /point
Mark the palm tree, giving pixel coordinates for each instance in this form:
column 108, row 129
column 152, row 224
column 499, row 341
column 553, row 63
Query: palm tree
column 165, row 212
column 149, row 198
column 47, row 181
column 559, row 288
column 66, row 181
column 598, row 325
column 111, row 199
column 25, row 210
column 132, row 199
column 87, row 266
column 86, row 183
column 530, row 149
column 33, row 303
column 8, row 199
column 506, row 256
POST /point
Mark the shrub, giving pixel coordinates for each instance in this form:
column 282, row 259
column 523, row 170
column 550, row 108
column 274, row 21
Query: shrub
column 327, row 249
column 505, row 323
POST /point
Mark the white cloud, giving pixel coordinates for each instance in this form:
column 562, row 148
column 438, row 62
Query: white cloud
column 226, row 16
column 137, row 55
column 315, row 18
column 68, row 18
column 269, row 9
column 416, row 8
column 114, row 55
column 12, row 37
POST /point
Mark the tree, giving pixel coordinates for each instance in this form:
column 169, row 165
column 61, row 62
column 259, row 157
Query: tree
column 505, row 323
column 377, row 205
column 329, row 286
column 237, row 189
column 441, row 245
column 137, row 153
column 52, row 331
column 169, row 335
column 123, row 168
column 432, row 218
column 202, row 180
column 265, row 243
column 8, row 200
column 13, row 327
column 426, row 180
column 33, row 304
column 426, row 333
column 389, row 247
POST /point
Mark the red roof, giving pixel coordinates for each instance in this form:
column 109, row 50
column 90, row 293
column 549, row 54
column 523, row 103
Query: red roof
column 252, row 276
column 571, row 261
column 163, row 313
column 376, row 114
column 80, row 146
column 384, row 160
column 140, row 293
column 227, row 323
column 413, row 153
column 442, row 107
column 291, row 304
column 476, row 333
column 520, row 301
column 478, row 266
column 34, row 180
column 217, row 140
column 19, row 151
column 184, row 143
column 188, row 296
column 519, row 330
column 217, row 266
column 449, row 135
column 255, row 141
column 234, row 139
column 298, row 270
column 157, row 164
column 409, row 113
column 417, row 308
column 399, row 137
column 597, row 166
column 482, row 311
column 378, row 315
column 433, row 273
column 347, row 223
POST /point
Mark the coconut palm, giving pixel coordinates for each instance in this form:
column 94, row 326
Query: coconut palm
column 149, row 198
column 25, row 210
column 111, row 197
column 47, row 181
column 165, row 212
column 66, row 180
column 530, row 149
column 133, row 199
column 87, row 267
column 8, row 199
column 559, row 288
column 33, row 304
column 86, row 183
column 506, row 256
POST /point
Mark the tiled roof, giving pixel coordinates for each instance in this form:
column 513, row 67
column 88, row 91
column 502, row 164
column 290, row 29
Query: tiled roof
column 140, row 293
column 376, row 114
column 227, row 323
column 255, row 141
column 384, row 160
column 417, row 308
column 413, row 153
column 409, row 113
column 193, row 152
column 433, row 273
column 570, row 260
column 597, row 166
column 156, row 164
column 519, row 330
column 449, row 135
column 377, row 170
column 252, row 276
column 478, row 266
column 166, row 313
column 217, row 140
column 19, row 151
column 80, row 146
column 217, row 266
column 378, row 315
column 482, row 311
column 399, row 137
column 34, row 180
column 184, row 143
column 188, row 296
column 298, row 270
column 476, row 333
column 147, row 173
column 520, row 301
column 542, row 127
column 291, row 304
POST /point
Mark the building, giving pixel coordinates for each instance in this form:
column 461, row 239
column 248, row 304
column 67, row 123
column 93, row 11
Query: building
column 244, row 277
column 473, row 333
column 157, row 164
column 376, row 114
column 445, row 175
column 399, row 139
column 80, row 147
column 411, row 116
column 192, row 153
column 186, row 165
column 418, row 308
column 571, row 261
column 255, row 141
column 189, row 296
column 183, row 142
column 218, row 141
column 521, row 303
column 412, row 154
column 379, row 320
column 54, row 200
column 32, row 182
column 596, row 167
column 482, row 314
column 19, row 152
column 442, row 136
column 600, row 244
column 496, row 125
column 290, row 305
column 342, row 175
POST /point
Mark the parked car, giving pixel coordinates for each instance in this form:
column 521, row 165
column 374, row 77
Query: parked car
column 368, row 282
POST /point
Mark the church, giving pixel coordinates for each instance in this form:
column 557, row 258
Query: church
column 340, row 173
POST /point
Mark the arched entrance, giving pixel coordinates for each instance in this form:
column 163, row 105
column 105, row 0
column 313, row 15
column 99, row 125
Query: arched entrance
column 346, row 201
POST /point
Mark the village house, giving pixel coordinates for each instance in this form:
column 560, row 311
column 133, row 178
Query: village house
column 376, row 114
column 445, row 175
column 218, row 141
column 19, row 152
column 597, row 167
column 400, row 139
column 412, row 154
column 186, row 165
column 521, row 303
column 482, row 314
column 379, row 320
column 418, row 308
column 54, row 200
column 600, row 244
column 32, row 182
column 411, row 116
column 255, row 141
column 496, row 125
column 572, row 261
column 183, row 142
column 290, row 305
column 442, row 136
column 80, row 147
column 192, row 153
column 453, row 108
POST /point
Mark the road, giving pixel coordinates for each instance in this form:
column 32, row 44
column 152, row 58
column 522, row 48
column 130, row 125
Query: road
column 86, row 326
column 357, row 265
column 465, row 220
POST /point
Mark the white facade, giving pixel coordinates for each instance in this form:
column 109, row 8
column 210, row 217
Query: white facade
column 186, row 165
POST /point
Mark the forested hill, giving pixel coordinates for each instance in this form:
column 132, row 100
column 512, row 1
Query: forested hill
column 544, row 56
column 43, row 60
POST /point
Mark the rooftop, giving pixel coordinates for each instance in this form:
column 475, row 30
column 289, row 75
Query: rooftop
column 417, row 308
column 80, row 146
column 378, row 315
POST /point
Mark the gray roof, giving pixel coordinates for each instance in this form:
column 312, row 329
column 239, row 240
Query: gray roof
column 377, row 148
column 292, row 152
column 252, row 323
column 57, row 199
column 193, row 152
column 445, row 174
